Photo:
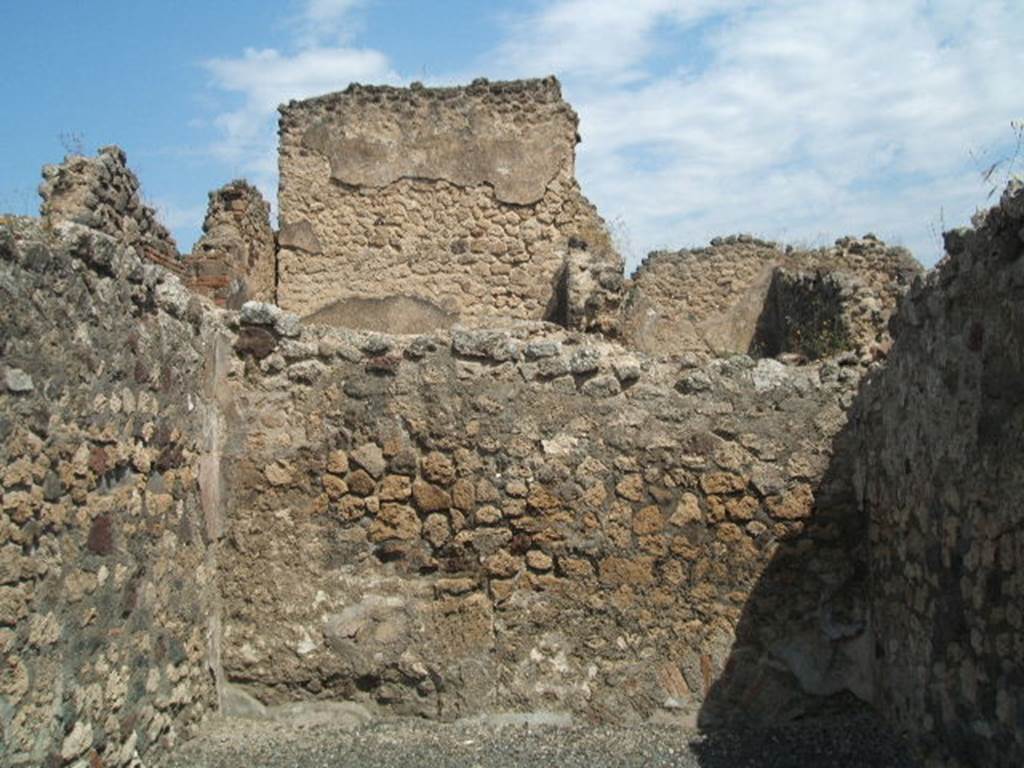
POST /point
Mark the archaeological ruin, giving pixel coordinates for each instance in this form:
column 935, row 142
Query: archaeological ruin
column 427, row 449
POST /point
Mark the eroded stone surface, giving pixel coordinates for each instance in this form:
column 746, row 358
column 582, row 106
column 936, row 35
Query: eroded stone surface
column 940, row 474
column 103, row 194
column 235, row 260
column 502, row 536
column 462, row 198
column 107, row 579
column 740, row 294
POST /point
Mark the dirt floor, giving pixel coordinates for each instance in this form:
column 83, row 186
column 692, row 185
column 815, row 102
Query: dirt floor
column 349, row 738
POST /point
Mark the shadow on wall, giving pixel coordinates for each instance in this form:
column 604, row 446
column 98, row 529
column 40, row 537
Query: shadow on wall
column 802, row 314
column 804, row 631
column 801, row 669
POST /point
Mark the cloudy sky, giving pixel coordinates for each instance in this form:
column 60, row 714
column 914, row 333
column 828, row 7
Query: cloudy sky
column 798, row 120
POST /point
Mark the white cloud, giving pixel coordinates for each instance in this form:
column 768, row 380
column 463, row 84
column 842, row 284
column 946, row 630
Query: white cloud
column 606, row 39
column 803, row 119
column 794, row 119
column 322, row 20
column 264, row 78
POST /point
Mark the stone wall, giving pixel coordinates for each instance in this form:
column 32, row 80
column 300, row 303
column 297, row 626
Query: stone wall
column 534, row 519
column 235, row 260
column 747, row 295
column 941, row 478
column 461, row 197
column 103, row 194
column 107, row 600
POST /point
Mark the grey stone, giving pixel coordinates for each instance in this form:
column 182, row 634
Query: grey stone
column 536, row 350
column 259, row 313
column 370, row 457
column 16, row 380
column 584, row 360
column 604, row 385
column 487, row 345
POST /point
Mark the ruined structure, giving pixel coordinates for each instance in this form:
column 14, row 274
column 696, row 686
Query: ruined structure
column 529, row 499
column 103, row 194
column 745, row 295
column 939, row 476
column 108, row 596
column 459, row 198
column 235, row 260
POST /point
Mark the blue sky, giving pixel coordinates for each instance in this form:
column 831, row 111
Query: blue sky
column 799, row 120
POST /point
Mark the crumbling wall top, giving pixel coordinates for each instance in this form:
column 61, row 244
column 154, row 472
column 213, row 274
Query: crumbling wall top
column 102, row 193
column 714, row 299
column 515, row 136
column 235, row 260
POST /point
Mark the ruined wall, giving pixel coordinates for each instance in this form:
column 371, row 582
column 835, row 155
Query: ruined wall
column 941, row 477
column 534, row 519
column 103, row 194
column 106, row 578
column 235, row 261
column 747, row 295
column 461, row 197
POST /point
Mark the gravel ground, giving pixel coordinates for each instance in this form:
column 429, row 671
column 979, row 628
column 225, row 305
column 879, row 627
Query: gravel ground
column 858, row 741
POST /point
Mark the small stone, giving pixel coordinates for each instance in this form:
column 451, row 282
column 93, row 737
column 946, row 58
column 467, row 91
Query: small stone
column 543, row 500
column 17, row 381
column 627, row 370
column 487, row 345
column 687, row 511
column 795, row 505
column 694, row 382
column 259, row 313
column 436, row 530
column 553, row 367
column 538, row 350
column 601, row 386
column 575, row 568
column 502, row 564
column 584, row 360
column 76, row 742
column 722, row 482
column 560, row 445
column 648, row 520
column 370, row 457
column 756, row 528
column 279, row 473
column 463, row 495
column 438, row 468
column 350, row 508
column 395, row 521
column 487, row 515
column 404, row 462
column 516, row 488
column 334, row 486
column 742, row 509
column 539, row 560
column 375, row 344
column 337, row 462
column 430, row 498
column 631, row 488
column 395, row 488
column 360, row 483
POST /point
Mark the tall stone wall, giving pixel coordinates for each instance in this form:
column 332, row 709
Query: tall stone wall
column 235, row 260
column 460, row 197
column 941, row 457
column 103, row 194
column 107, row 602
column 534, row 519
column 746, row 295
